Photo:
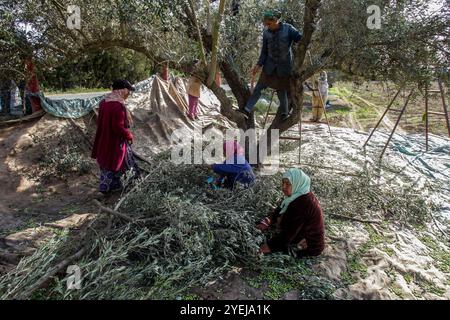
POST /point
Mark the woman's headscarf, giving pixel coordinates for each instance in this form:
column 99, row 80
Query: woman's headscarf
column 117, row 95
column 323, row 76
column 301, row 185
column 232, row 148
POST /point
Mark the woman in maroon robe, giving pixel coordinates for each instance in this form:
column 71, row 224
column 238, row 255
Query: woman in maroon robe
column 298, row 220
column 113, row 139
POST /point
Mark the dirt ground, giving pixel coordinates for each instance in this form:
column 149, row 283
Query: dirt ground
column 31, row 208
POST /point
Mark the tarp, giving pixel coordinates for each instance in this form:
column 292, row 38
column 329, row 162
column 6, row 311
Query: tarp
column 68, row 108
column 159, row 108
column 77, row 108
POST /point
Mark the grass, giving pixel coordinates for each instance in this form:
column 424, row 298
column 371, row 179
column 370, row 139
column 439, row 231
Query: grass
column 409, row 278
column 281, row 274
column 74, row 91
column 365, row 113
column 439, row 255
column 277, row 284
column 373, row 92
column 189, row 297
column 432, row 288
column 397, row 291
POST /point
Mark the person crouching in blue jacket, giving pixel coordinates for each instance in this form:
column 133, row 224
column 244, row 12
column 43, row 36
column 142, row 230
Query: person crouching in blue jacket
column 235, row 168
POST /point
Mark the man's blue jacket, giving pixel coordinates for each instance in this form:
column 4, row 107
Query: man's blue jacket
column 276, row 52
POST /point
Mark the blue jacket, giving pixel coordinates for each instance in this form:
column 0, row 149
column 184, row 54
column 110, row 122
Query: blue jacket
column 238, row 171
column 276, row 52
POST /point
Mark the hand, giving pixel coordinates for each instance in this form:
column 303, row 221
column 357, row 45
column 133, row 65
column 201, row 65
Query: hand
column 264, row 249
column 264, row 224
column 261, row 227
column 302, row 245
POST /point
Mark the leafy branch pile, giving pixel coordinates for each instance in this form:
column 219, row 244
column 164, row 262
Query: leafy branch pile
column 184, row 235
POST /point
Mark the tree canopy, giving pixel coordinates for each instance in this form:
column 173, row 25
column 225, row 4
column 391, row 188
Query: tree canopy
column 408, row 47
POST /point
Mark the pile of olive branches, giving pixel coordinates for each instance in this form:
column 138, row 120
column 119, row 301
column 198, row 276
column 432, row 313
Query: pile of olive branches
column 184, row 234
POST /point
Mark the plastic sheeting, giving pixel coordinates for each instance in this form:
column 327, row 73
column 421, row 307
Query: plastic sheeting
column 159, row 108
column 77, row 108
column 68, row 108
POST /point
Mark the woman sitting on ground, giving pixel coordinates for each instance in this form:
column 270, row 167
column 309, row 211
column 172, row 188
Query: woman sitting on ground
column 299, row 219
column 235, row 168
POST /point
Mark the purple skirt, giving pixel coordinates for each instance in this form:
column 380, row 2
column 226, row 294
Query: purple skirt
column 111, row 181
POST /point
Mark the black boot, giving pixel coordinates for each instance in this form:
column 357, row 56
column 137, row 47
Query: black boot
column 245, row 113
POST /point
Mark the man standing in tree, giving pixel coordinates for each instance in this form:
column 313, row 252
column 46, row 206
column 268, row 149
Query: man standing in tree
column 275, row 60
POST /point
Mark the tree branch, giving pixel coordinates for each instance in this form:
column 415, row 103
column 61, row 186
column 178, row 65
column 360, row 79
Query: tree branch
column 193, row 17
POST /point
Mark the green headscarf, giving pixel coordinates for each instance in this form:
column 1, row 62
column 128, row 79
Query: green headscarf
column 272, row 14
column 301, row 184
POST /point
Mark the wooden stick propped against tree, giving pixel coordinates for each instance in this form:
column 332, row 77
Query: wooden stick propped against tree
column 215, row 43
column 199, row 34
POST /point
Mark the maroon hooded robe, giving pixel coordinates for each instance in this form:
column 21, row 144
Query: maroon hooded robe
column 109, row 147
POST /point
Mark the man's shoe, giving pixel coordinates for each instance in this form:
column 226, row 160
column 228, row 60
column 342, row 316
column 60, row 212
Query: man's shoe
column 245, row 113
column 284, row 117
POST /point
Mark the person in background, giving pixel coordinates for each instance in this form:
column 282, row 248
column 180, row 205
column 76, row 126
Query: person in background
column 113, row 139
column 165, row 71
column 276, row 62
column 193, row 89
column 319, row 96
column 32, row 86
column 298, row 220
column 235, row 168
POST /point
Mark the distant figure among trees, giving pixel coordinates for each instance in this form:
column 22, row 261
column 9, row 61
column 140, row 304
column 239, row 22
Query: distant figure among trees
column 319, row 96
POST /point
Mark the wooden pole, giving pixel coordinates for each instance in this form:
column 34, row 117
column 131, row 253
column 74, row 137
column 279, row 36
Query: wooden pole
column 382, row 117
column 215, row 43
column 300, row 134
column 268, row 109
column 396, row 124
column 111, row 211
column 321, row 99
column 444, row 105
column 426, row 117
